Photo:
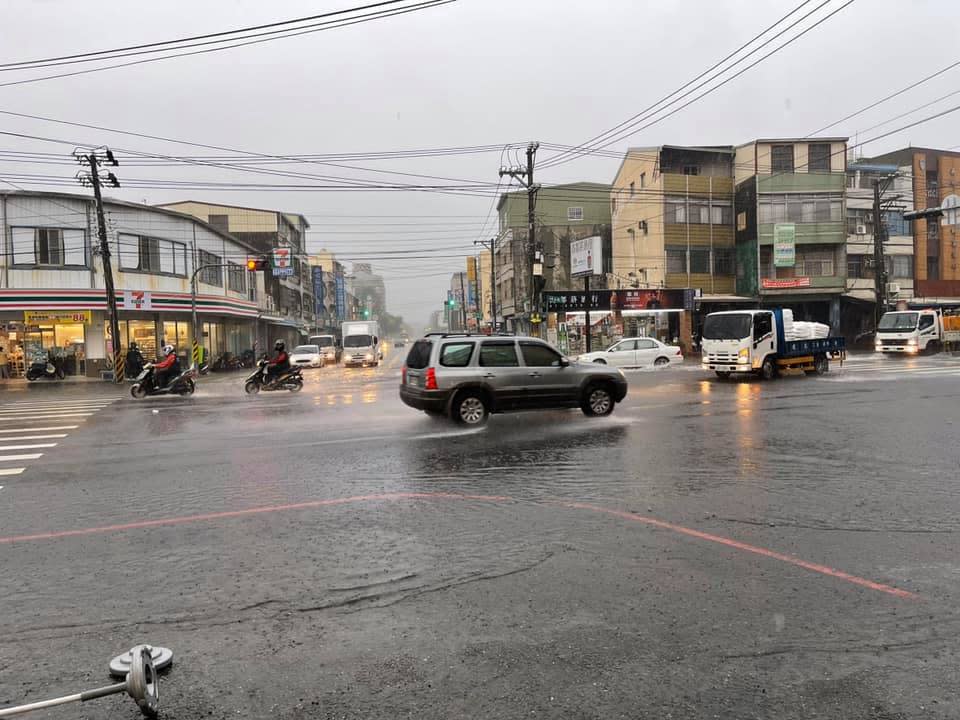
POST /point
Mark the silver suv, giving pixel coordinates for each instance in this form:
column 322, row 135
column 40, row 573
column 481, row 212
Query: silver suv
column 467, row 377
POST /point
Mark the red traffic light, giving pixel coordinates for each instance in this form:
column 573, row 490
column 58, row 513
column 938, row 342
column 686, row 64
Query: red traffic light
column 254, row 264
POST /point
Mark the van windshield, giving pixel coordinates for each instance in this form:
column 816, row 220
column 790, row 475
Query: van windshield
column 727, row 327
column 358, row 341
column 898, row 322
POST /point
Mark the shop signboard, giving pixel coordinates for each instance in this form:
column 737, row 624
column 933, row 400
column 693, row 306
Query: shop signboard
column 784, row 283
column 282, row 265
column 471, row 287
column 576, row 301
column 784, row 245
column 137, row 300
column 341, row 299
column 319, row 292
column 586, row 256
column 56, row 317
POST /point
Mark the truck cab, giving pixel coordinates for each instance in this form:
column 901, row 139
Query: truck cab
column 738, row 341
column 909, row 331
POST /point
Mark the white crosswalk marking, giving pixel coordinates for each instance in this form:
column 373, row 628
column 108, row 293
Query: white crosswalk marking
column 23, row 421
column 28, row 456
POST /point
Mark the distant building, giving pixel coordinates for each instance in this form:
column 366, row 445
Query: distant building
column 370, row 289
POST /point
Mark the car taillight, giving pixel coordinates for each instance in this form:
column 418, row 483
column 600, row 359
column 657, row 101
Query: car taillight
column 431, row 380
column 403, row 375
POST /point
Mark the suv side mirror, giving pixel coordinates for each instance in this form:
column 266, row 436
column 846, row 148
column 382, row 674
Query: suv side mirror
column 564, row 362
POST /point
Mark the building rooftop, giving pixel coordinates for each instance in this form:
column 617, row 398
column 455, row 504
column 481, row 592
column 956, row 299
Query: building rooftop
column 237, row 207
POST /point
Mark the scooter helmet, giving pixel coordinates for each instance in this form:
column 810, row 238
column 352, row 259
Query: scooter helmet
column 279, row 345
column 168, row 349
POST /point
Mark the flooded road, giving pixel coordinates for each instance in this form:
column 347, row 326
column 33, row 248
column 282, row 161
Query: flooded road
column 713, row 548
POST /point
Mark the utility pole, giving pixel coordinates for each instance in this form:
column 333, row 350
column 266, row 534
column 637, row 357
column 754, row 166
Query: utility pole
column 93, row 161
column 534, row 251
column 880, row 186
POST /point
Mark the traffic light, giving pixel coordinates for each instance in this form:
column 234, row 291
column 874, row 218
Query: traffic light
column 452, row 302
column 255, row 264
column 366, row 313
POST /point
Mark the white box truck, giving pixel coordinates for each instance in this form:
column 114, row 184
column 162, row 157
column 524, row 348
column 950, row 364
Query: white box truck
column 913, row 331
column 361, row 343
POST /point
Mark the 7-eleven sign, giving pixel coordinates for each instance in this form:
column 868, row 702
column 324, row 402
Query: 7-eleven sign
column 282, row 265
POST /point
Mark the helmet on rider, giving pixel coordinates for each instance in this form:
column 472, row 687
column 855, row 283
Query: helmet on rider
column 279, row 345
column 168, row 349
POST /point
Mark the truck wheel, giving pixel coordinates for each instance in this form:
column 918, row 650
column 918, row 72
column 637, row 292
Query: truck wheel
column 723, row 374
column 768, row 371
column 821, row 366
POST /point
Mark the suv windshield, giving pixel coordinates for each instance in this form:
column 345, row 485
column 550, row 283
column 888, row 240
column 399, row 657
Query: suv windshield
column 727, row 327
column 899, row 322
column 352, row 341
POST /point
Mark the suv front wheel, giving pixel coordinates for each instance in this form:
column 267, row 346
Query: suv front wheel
column 470, row 408
column 597, row 400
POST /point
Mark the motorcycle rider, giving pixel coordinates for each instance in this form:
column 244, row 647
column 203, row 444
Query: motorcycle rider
column 167, row 368
column 280, row 364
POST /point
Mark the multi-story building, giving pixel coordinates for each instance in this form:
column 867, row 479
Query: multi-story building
column 370, row 289
column 265, row 231
column 330, row 310
column 672, row 213
column 936, row 177
column 793, row 188
column 52, row 290
column 563, row 213
column 859, row 302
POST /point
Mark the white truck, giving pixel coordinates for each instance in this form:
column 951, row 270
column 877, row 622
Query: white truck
column 915, row 331
column 761, row 342
column 361, row 343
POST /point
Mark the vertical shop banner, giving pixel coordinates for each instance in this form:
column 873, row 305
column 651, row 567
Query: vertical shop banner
column 471, row 288
column 341, row 299
column 784, row 245
column 319, row 296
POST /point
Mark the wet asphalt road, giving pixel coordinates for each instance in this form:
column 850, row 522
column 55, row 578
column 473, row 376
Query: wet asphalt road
column 713, row 549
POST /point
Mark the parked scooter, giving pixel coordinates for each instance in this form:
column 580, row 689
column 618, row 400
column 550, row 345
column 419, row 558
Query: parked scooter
column 145, row 385
column 291, row 380
column 49, row 370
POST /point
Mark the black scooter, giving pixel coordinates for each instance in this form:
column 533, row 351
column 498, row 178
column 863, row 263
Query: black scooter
column 145, row 385
column 291, row 380
column 48, row 370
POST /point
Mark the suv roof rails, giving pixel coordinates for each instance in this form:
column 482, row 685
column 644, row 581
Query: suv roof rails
column 455, row 334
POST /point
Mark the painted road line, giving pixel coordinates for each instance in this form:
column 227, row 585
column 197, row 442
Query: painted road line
column 53, row 408
column 56, row 403
column 26, row 447
column 11, row 458
column 11, row 471
column 43, row 416
column 36, row 429
column 18, row 438
column 31, row 401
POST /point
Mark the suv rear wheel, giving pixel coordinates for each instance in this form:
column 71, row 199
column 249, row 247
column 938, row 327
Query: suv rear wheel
column 597, row 400
column 470, row 408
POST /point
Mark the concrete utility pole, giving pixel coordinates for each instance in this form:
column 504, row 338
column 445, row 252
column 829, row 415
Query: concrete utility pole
column 463, row 303
column 880, row 277
column 93, row 161
column 535, row 252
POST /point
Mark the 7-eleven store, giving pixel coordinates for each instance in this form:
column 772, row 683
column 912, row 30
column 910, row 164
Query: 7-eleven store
column 72, row 326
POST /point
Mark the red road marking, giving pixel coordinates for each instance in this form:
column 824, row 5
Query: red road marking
column 689, row 532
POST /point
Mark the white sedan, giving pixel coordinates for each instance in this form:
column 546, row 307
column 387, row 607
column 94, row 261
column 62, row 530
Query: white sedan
column 306, row 356
column 635, row 353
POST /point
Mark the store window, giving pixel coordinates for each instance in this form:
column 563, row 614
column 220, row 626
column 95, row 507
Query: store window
column 144, row 334
column 63, row 344
column 177, row 333
column 153, row 255
column 56, row 247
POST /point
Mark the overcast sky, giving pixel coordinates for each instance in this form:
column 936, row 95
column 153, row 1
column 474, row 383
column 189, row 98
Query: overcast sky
column 473, row 72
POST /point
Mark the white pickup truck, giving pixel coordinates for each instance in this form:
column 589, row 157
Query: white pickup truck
column 912, row 331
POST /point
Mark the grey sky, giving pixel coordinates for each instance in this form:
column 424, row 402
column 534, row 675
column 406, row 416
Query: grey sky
column 468, row 73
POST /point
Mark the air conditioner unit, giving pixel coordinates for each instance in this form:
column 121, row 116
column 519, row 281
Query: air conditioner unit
column 861, row 229
column 893, row 288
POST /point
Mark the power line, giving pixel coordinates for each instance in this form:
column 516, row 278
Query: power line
column 330, row 25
